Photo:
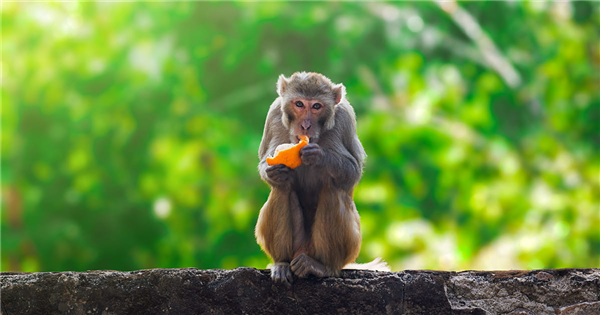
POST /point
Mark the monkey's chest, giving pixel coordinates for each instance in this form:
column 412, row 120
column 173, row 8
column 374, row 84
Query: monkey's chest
column 308, row 187
column 308, row 184
column 309, row 202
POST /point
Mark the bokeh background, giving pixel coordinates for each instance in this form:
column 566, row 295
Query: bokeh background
column 130, row 130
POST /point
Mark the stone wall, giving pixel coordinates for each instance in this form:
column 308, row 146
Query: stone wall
column 251, row 291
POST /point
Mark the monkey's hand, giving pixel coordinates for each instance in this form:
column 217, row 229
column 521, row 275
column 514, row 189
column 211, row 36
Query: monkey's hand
column 280, row 272
column 303, row 266
column 312, row 154
column 279, row 173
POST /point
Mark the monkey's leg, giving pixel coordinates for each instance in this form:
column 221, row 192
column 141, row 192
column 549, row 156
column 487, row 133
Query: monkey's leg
column 302, row 265
column 274, row 233
column 299, row 238
column 336, row 232
column 281, row 271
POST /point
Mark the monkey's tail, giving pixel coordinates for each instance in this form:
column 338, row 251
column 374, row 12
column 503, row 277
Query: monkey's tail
column 377, row 265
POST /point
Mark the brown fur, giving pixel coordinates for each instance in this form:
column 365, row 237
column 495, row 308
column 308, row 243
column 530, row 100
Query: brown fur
column 312, row 212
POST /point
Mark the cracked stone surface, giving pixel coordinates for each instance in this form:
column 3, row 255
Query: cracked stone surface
column 251, row 291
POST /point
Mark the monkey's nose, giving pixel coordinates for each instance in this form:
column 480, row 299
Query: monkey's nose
column 306, row 124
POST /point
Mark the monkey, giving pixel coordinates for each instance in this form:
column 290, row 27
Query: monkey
column 309, row 224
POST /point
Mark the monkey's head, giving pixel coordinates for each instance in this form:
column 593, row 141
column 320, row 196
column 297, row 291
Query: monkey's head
column 308, row 104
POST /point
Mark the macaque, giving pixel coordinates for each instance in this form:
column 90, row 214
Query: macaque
column 309, row 225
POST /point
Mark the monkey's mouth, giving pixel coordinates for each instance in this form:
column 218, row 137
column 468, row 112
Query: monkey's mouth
column 311, row 139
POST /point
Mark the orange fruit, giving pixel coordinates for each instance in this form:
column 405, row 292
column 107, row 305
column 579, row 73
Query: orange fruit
column 288, row 154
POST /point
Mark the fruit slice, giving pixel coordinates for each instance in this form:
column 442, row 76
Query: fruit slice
column 288, row 154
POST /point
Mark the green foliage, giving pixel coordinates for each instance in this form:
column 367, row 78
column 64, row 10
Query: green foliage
column 130, row 130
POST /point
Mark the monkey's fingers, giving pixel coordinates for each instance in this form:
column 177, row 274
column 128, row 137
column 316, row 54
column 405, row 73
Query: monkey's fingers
column 281, row 178
column 278, row 169
column 312, row 155
column 311, row 147
column 279, row 173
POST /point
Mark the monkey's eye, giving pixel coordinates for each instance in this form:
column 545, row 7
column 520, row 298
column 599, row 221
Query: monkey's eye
column 317, row 106
column 299, row 104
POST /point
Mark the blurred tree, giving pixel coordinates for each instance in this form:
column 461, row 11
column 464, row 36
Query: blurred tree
column 130, row 130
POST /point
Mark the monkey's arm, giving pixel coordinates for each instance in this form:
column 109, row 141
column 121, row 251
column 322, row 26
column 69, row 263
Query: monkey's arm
column 344, row 169
column 274, row 175
column 339, row 153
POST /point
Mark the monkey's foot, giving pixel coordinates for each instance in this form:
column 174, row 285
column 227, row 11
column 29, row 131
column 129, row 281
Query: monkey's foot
column 303, row 266
column 280, row 272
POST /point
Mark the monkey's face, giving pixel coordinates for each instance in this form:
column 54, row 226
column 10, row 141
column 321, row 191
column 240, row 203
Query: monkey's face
column 307, row 117
column 308, row 104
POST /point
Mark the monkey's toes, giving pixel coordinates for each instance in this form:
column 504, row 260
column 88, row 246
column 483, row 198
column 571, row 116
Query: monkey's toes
column 281, row 273
column 304, row 266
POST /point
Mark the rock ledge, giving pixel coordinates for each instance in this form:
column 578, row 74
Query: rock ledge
column 251, row 291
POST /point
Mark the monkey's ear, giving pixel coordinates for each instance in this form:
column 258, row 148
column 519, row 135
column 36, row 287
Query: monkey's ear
column 339, row 92
column 282, row 84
